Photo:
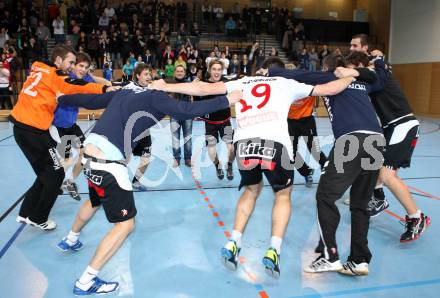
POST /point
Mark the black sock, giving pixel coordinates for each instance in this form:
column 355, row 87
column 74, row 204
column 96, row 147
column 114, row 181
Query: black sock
column 135, row 180
column 379, row 194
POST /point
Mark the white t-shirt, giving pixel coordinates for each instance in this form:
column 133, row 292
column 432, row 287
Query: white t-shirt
column 58, row 27
column 263, row 112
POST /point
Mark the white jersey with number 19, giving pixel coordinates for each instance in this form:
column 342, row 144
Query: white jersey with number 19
column 262, row 113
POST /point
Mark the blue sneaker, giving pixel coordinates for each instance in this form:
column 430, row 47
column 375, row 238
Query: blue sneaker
column 271, row 262
column 64, row 246
column 230, row 254
column 97, row 287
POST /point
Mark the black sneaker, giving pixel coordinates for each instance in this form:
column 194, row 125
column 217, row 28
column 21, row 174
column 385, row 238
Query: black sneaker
column 229, row 172
column 415, row 227
column 219, row 172
column 377, row 205
column 72, row 189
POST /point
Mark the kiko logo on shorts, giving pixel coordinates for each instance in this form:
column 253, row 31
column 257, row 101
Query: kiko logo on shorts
column 255, row 150
column 95, row 179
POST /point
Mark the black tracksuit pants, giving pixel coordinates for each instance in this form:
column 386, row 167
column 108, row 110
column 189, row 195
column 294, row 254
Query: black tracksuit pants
column 336, row 178
column 39, row 149
column 305, row 127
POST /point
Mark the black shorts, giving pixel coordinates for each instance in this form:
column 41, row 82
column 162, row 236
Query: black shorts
column 215, row 132
column 104, row 189
column 74, row 138
column 143, row 147
column 401, row 138
column 256, row 157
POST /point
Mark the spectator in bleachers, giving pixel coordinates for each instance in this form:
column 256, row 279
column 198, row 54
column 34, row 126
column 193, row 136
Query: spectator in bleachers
column 304, row 59
column 235, row 11
column 31, row 52
column 169, row 69
column 109, row 11
column 107, row 72
column 103, row 21
column 58, row 30
column 209, row 58
column 206, row 12
column 245, row 66
column 225, row 62
column 273, row 51
column 218, row 12
column 149, row 59
column 5, row 99
column 4, row 37
column 313, row 59
column 126, row 46
column 230, row 26
column 183, row 32
column 181, row 11
column 114, row 48
column 93, row 48
column 256, row 56
column 180, row 61
column 234, row 67
column 127, row 71
column 324, row 53
column 168, row 54
column 193, row 55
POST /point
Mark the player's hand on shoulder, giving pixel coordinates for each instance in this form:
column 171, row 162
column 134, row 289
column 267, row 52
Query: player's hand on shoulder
column 158, row 85
column 113, row 88
column 342, row 72
column 234, row 97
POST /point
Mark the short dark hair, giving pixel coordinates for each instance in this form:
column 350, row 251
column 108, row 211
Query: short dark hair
column 273, row 62
column 62, row 51
column 363, row 37
column 332, row 61
column 83, row 57
column 356, row 58
column 140, row 67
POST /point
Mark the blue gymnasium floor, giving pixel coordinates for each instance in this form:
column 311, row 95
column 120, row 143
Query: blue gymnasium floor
column 174, row 250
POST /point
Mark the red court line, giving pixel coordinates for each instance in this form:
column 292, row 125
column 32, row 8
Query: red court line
column 395, row 215
column 261, row 292
column 424, row 193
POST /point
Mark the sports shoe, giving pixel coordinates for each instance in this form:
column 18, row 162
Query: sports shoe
column 72, row 189
column 271, row 261
column 229, row 254
column 65, row 246
column 47, row 225
column 415, row 227
column 309, row 181
column 20, row 219
column 321, row 264
column 97, row 286
column 229, row 172
column 376, row 206
column 352, row 268
column 219, row 172
column 138, row 186
column 176, row 163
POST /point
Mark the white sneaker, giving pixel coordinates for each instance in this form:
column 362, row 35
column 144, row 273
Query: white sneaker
column 347, row 201
column 21, row 219
column 351, row 268
column 323, row 265
column 47, row 226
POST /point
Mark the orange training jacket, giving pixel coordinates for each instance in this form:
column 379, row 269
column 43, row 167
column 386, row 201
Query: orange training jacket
column 37, row 100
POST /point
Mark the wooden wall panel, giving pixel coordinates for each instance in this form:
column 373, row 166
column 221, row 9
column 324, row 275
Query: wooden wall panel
column 421, row 83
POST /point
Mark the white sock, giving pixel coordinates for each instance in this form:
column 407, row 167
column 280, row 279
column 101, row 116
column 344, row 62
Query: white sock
column 275, row 242
column 72, row 238
column 416, row 215
column 236, row 236
column 379, row 186
column 87, row 277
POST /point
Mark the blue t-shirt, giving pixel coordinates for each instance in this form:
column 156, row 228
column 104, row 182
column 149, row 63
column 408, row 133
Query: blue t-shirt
column 66, row 116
